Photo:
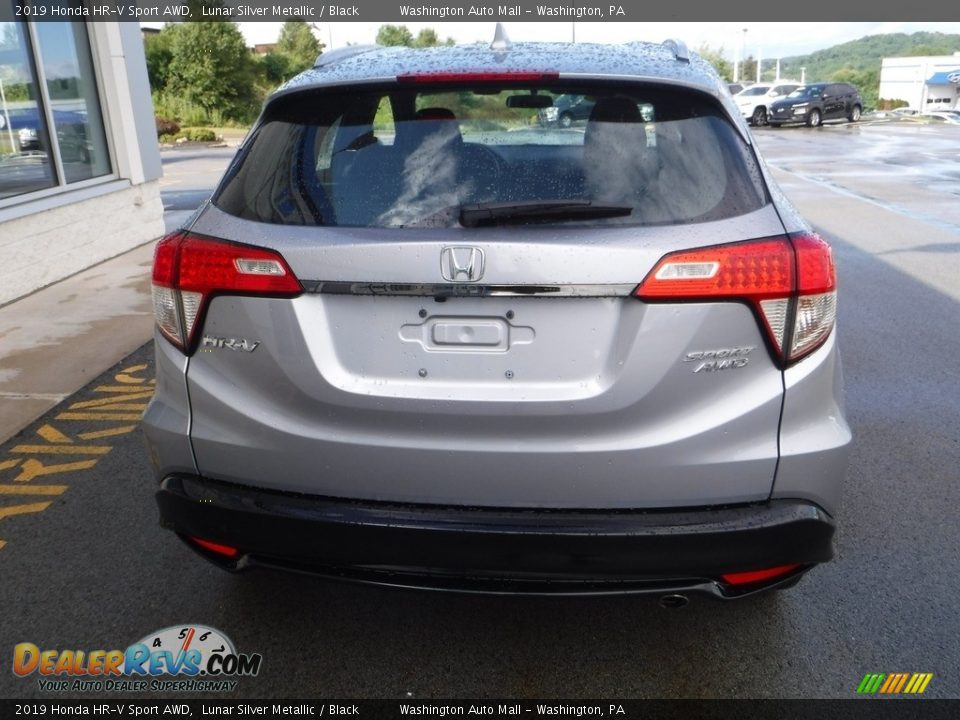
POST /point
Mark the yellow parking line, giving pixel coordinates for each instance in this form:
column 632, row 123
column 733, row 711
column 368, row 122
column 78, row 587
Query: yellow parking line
column 52, row 435
column 60, row 450
column 32, row 489
column 6, row 512
column 118, row 389
column 114, row 405
column 2, row 543
column 101, row 402
column 127, row 377
column 33, row 468
column 98, row 416
column 6, row 464
column 96, row 434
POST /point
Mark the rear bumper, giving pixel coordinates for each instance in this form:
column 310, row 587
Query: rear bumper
column 493, row 550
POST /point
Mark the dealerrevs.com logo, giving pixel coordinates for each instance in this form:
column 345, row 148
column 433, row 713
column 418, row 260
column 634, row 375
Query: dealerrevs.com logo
column 186, row 658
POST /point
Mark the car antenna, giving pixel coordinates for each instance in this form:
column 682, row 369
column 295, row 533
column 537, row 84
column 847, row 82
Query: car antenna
column 501, row 43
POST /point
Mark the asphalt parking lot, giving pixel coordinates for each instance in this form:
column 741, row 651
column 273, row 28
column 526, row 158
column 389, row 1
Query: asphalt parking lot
column 84, row 564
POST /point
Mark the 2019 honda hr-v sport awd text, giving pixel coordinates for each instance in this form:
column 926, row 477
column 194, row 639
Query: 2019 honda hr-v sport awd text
column 417, row 338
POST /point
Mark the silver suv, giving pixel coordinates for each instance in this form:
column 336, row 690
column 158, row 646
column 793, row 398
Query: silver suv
column 417, row 338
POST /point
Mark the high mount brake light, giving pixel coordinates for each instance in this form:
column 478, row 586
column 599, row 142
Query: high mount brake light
column 790, row 281
column 477, row 77
column 190, row 269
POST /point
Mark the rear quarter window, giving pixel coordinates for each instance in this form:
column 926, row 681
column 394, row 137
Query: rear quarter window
column 401, row 156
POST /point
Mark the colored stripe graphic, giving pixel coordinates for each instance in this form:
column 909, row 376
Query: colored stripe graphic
column 894, row 683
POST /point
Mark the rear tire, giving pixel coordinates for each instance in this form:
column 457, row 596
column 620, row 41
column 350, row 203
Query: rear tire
column 814, row 119
column 759, row 117
column 855, row 114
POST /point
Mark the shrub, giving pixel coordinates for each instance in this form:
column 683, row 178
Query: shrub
column 166, row 126
column 198, row 134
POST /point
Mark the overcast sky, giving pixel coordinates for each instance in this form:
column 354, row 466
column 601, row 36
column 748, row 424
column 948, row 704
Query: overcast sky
column 774, row 39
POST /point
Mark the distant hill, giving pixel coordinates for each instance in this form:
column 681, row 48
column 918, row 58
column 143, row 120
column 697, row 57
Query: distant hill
column 858, row 61
column 866, row 53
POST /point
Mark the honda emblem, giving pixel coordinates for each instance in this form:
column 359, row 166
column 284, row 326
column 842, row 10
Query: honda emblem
column 461, row 264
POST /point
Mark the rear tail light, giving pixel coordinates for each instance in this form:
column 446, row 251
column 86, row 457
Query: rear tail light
column 227, row 551
column 790, row 282
column 189, row 269
column 755, row 576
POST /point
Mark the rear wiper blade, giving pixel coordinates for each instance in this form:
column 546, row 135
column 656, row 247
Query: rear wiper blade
column 482, row 214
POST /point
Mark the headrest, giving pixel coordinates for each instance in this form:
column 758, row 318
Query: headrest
column 436, row 124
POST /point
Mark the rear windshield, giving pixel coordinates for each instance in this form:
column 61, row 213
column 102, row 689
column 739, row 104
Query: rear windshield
column 426, row 156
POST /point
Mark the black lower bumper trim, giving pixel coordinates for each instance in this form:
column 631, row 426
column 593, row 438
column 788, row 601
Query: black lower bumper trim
column 496, row 550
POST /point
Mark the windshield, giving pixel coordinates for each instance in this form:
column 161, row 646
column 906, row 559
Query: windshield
column 754, row 91
column 422, row 156
column 806, row 92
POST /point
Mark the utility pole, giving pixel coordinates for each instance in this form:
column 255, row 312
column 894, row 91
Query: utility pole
column 743, row 52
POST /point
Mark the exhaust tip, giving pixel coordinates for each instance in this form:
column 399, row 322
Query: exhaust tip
column 674, row 602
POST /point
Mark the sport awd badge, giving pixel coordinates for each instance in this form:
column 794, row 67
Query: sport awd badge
column 722, row 359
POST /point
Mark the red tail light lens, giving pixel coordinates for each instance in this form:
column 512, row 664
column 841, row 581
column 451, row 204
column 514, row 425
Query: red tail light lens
column 785, row 279
column 190, row 269
column 225, row 550
column 755, row 576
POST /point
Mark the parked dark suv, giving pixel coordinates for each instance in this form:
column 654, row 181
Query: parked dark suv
column 814, row 104
column 566, row 110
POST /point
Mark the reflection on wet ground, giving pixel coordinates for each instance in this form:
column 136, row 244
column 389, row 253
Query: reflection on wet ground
column 911, row 169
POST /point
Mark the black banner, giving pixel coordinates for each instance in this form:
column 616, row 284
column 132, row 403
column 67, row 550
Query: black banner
column 858, row 709
column 460, row 11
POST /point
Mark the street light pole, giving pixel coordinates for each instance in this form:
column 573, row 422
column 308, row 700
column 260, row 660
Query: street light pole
column 743, row 53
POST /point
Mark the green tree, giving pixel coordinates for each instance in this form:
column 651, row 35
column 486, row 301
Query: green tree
column 866, row 81
column 158, row 49
column 212, row 69
column 393, row 35
column 426, row 38
column 715, row 57
column 273, row 69
column 298, row 44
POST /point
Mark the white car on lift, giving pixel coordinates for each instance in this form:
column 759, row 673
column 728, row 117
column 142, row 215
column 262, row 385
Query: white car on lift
column 756, row 99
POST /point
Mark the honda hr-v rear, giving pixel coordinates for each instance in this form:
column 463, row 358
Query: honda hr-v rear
column 418, row 338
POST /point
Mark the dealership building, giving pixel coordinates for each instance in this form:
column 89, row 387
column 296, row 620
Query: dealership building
column 79, row 160
column 926, row 83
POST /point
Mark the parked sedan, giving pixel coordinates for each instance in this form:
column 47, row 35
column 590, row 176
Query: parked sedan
column 816, row 103
column 951, row 117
